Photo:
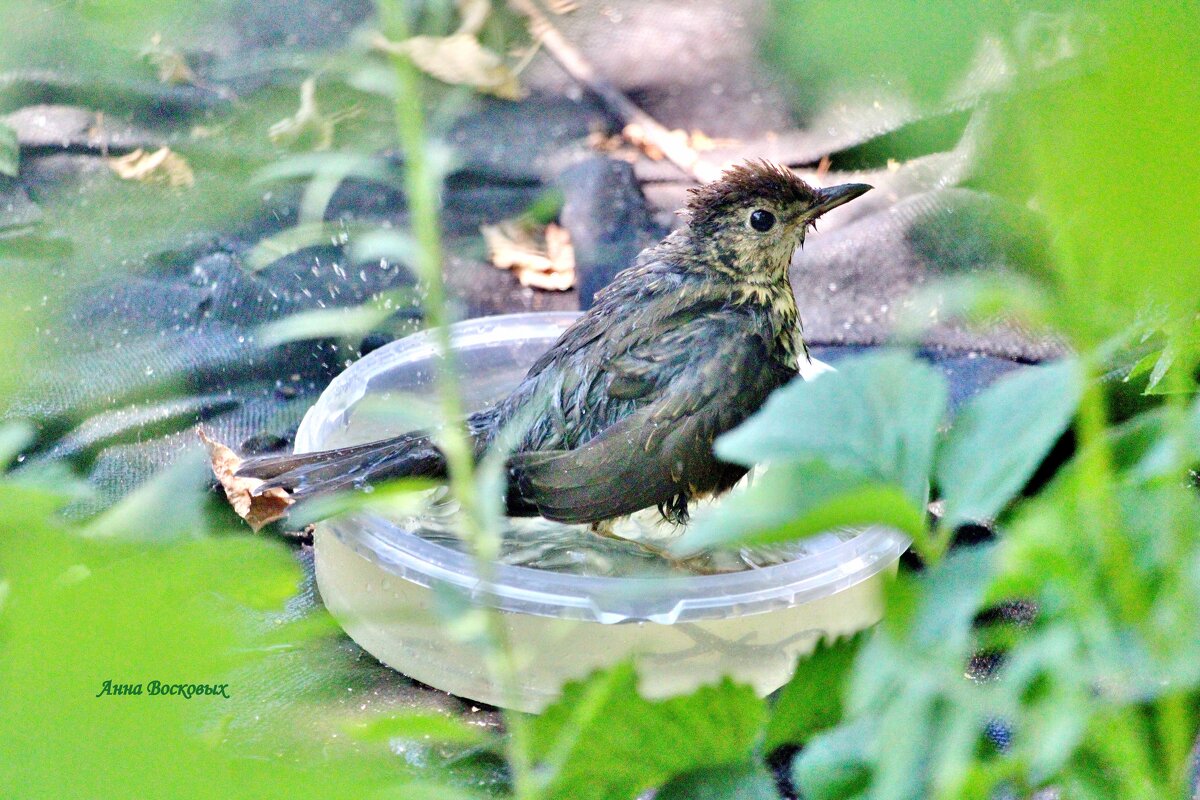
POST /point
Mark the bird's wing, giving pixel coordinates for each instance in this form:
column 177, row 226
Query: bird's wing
column 664, row 448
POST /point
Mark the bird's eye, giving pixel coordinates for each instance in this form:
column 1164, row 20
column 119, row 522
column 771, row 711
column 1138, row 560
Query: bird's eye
column 762, row 220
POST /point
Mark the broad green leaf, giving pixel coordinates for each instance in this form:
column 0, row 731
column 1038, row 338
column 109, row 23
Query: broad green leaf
column 400, row 497
column 812, row 700
column 14, row 437
column 1116, row 255
column 427, row 790
column 298, row 237
column 1046, row 668
column 189, row 610
column 1134, row 440
column 344, row 165
column 836, row 765
column 926, row 50
column 974, row 298
column 168, row 505
column 877, row 415
column 10, row 152
column 925, row 717
column 1001, row 436
column 1149, row 449
column 748, row 781
column 422, row 726
column 927, row 630
column 383, row 244
column 603, row 740
column 793, row 500
column 319, row 323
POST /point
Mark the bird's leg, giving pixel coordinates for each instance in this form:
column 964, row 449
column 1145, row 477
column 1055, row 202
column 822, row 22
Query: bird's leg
column 695, row 564
column 605, row 528
column 675, row 510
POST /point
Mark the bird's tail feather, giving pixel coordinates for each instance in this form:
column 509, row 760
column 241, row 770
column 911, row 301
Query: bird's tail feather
column 302, row 475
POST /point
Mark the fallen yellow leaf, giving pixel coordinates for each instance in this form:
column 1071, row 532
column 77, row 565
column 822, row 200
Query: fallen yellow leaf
column 540, row 257
column 458, row 59
column 161, row 166
column 258, row 508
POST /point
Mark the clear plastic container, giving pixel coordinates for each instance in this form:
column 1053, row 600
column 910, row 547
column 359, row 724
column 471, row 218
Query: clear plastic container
column 385, row 585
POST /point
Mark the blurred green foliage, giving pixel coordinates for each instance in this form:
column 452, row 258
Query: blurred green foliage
column 79, row 612
column 1096, row 693
column 602, row 740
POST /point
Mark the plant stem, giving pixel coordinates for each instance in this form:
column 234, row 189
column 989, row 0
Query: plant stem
column 1097, row 502
column 422, row 189
column 1121, row 743
column 1173, row 721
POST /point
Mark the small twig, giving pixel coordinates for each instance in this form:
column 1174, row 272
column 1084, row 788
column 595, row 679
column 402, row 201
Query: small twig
column 675, row 148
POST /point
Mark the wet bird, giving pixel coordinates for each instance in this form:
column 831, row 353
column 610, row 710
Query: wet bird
column 621, row 412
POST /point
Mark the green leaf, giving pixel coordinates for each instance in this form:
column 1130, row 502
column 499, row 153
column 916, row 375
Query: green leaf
column 926, row 49
column 975, row 298
column 603, row 740
column 344, row 165
column 878, row 415
column 190, row 610
column 400, row 497
column 14, row 437
column 1162, row 366
column 748, row 781
column 793, row 500
column 812, row 700
column 426, row 790
column 1058, row 131
column 1001, row 436
column 422, row 726
column 291, row 240
column 836, row 765
column 321, row 323
column 1145, row 446
column 383, row 244
column 168, row 505
column 10, row 152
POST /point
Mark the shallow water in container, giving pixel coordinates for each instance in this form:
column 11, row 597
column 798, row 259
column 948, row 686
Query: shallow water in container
column 589, row 603
column 630, row 547
column 399, row 401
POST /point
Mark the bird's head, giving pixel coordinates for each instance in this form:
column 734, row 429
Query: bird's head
column 750, row 221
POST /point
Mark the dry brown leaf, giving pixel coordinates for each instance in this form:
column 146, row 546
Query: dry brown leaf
column 172, row 67
column 823, row 168
column 458, row 59
column 540, row 257
column 257, row 508
column 652, row 147
column 701, row 141
column 161, row 166
column 309, row 123
column 636, row 135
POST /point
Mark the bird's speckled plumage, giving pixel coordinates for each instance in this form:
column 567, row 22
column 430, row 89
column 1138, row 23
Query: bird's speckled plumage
column 621, row 412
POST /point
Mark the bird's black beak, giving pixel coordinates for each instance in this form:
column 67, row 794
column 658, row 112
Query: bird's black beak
column 834, row 196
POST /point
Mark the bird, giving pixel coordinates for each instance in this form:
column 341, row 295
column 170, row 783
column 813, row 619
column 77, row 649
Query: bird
column 621, row 413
